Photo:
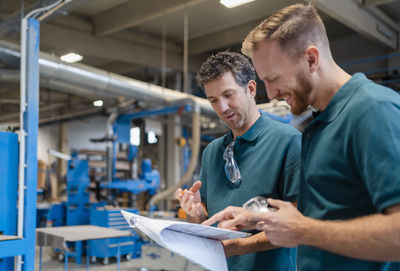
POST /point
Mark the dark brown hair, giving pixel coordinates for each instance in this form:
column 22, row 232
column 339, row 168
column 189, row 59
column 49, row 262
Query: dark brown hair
column 217, row 65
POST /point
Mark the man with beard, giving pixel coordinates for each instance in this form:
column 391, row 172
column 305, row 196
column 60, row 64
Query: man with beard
column 259, row 157
column 349, row 198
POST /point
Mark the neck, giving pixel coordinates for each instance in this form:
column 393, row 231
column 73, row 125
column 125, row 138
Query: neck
column 253, row 117
column 331, row 80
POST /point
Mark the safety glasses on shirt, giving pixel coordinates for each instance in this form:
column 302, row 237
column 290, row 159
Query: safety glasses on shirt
column 231, row 167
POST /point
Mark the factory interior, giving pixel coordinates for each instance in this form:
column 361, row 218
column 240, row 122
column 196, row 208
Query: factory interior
column 106, row 95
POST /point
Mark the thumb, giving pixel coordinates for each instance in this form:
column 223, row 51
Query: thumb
column 196, row 186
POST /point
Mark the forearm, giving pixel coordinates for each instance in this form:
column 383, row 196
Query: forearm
column 240, row 246
column 374, row 237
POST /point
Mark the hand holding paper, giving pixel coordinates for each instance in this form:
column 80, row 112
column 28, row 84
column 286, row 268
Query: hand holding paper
column 199, row 243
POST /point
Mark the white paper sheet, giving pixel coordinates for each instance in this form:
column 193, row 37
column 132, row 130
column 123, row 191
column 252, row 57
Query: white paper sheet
column 198, row 243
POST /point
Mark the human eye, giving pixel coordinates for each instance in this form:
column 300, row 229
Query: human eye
column 272, row 80
column 228, row 93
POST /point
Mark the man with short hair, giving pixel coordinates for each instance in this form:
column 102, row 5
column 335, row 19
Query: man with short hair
column 349, row 199
column 259, row 157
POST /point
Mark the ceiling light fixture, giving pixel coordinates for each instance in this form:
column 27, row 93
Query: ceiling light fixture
column 71, row 58
column 98, row 103
column 234, row 3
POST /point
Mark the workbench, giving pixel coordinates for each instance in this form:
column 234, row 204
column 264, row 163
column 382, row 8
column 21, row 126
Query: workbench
column 57, row 237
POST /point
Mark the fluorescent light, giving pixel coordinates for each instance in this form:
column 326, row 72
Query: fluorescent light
column 234, row 3
column 135, row 136
column 98, row 103
column 71, row 58
column 151, row 137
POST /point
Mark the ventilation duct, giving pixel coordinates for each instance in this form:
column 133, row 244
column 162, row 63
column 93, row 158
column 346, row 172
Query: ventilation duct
column 82, row 79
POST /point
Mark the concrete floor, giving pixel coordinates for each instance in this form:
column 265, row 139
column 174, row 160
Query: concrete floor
column 166, row 260
column 49, row 263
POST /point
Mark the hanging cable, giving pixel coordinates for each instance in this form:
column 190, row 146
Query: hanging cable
column 164, row 56
column 185, row 52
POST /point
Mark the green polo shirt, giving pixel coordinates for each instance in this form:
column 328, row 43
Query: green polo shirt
column 268, row 156
column 351, row 164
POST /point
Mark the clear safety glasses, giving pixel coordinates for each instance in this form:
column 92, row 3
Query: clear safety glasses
column 231, row 168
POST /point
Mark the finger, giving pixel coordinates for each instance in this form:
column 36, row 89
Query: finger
column 215, row 218
column 185, row 195
column 276, row 203
column 229, row 224
column 196, row 186
column 239, row 221
column 178, row 193
column 183, row 191
column 235, row 229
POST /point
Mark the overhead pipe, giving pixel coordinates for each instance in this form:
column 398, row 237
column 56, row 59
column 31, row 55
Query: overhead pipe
column 13, row 76
column 84, row 80
column 102, row 82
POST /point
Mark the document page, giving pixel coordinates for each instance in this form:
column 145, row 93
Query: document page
column 198, row 243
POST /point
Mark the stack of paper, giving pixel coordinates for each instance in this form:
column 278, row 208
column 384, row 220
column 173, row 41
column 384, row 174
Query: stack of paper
column 198, row 243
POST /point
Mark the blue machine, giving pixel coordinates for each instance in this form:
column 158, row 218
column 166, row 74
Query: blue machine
column 79, row 211
column 76, row 210
column 8, row 189
column 78, row 206
column 149, row 181
column 150, row 178
column 56, row 215
column 105, row 248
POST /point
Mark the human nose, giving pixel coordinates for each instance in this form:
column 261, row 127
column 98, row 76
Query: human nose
column 271, row 90
column 223, row 105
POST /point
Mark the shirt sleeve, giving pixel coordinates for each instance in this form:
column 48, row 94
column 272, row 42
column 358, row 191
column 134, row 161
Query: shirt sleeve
column 376, row 147
column 291, row 172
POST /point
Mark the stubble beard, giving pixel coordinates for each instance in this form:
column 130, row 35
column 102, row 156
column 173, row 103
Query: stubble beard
column 301, row 95
column 237, row 123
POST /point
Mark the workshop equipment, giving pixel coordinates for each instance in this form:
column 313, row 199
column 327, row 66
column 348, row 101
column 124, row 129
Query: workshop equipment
column 8, row 190
column 59, row 237
column 130, row 247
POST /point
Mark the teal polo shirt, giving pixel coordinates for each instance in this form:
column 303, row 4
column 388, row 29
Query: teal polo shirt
column 351, row 165
column 268, row 156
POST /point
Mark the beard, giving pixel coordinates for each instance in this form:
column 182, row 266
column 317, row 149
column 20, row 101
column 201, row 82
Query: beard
column 235, row 123
column 301, row 95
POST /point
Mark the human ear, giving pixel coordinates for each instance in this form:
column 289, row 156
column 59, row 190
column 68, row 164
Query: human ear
column 252, row 87
column 312, row 56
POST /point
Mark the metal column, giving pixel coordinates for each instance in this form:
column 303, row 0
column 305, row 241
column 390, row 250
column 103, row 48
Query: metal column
column 30, row 128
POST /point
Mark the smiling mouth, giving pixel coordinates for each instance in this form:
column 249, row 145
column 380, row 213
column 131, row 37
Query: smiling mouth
column 230, row 116
column 286, row 98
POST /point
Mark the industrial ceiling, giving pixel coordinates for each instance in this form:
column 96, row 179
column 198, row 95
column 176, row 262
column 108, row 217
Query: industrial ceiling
column 145, row 40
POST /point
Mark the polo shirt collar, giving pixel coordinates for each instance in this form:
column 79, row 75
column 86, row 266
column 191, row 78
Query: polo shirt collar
column 252, row 133
column 341, row 98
